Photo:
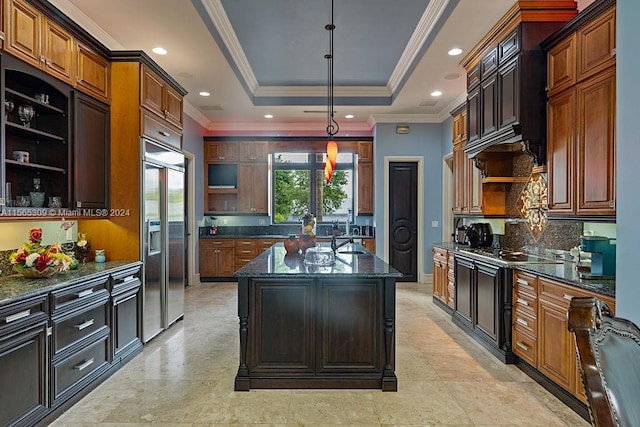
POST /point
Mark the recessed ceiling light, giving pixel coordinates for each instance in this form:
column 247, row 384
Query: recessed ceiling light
column 204, row 93
column 268, row 116
column 455, row 51
column 436, row 93
column 349, row 116
column 159, row 50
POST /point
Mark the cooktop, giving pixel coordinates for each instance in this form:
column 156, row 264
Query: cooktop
column 509, row 256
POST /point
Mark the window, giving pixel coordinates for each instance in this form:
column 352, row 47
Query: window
column 299, row 187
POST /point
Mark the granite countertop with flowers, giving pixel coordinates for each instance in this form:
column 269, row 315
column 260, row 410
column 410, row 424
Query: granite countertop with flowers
column 561, row 271
column 17, row 286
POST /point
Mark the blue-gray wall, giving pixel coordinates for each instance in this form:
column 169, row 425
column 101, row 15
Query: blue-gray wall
column 628, row 146
column 423, row 140
column 193, row 142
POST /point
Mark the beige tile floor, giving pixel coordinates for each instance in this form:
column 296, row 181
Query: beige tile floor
column 184, row 377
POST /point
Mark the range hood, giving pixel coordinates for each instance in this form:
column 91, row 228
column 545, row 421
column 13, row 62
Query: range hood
column 506, row 78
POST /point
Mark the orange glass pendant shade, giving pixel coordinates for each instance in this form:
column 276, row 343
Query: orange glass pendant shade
column 328, row 170
column 332, row 152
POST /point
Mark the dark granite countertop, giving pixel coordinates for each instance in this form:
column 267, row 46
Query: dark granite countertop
column 17, row 287
column 275, row 262
column 272, row 236
column 564, row 272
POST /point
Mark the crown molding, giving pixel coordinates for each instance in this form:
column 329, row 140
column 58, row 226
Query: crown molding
column 222, row 24
column 306, row 126
column 427, row 23
column 76, row 15
column 190, row 110
column 406, row 118
column 321, row 91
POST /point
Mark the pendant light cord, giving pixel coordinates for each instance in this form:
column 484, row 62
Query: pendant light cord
column 332, row 125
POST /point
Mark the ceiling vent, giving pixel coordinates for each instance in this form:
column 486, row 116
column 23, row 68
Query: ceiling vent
column 211, row 108
column 428, row 103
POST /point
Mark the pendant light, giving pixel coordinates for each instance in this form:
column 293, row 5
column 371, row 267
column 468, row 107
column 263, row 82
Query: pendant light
column 332, row 125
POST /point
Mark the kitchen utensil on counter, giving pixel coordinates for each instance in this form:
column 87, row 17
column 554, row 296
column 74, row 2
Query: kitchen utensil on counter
column 20, row 156
column 461, row 237
column 603, row 256
column 26, row 114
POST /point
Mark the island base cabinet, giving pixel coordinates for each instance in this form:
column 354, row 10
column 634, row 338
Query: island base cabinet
column 23, row 388
column 316, row 333
column 349, row 330
column 283, row 314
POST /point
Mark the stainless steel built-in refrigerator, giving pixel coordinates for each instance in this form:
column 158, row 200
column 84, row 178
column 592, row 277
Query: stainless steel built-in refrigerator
column 163, row 225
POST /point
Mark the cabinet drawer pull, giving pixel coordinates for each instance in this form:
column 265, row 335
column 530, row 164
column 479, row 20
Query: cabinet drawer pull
column 17, row 316
column 128, row 279
column 521, row 301
column 522, row 346
column 522, row 322
column 567, row 297
column 163, row 133
column 84, row 364
column 523, row 282
column 84, row 325
column 85, row 293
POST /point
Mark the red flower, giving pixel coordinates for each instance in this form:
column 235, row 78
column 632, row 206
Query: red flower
column 35, row 235
column 54, row 249
column 21, row 257
column 41, row 262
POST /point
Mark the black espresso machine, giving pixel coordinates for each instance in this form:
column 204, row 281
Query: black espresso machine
column 475, row 235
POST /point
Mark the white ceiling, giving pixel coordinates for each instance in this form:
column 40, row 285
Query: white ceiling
column 188, row 29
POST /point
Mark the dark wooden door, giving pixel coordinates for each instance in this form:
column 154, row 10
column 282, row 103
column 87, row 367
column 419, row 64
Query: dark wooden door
column 403, row 219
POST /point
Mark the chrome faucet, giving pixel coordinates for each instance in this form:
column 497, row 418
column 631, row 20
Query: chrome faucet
column 335, row 245
column 346, row 223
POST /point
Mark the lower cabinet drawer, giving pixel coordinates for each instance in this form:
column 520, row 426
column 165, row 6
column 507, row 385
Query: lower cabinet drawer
column 69, row 330
column 524, row 346
column 523, row 320
column 69, row 373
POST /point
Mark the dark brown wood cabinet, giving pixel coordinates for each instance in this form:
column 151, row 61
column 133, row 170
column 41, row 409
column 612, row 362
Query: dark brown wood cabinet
column 254, row 151
column 160, row 98
column 440, row 275
column 23, row 361
column 581, row 143
column 215, row 152
column 39, row 41
column 217, row 258
column 253, row 184
column 561, row 111
column 93, row 73
column 126, row 314
column 316, row 333
column 541, row 337
column 596, row 155
column 46, row 136
column 365, row 178
column 506, row 82
column 91, row 153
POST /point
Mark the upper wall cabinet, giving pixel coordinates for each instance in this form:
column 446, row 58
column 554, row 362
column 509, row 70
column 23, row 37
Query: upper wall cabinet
column 160, row 98
column 581, row 145
column 35, row 39
column 506, row 80
column 92, row 73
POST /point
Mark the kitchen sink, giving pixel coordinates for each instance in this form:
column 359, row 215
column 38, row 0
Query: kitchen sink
column 352, row 252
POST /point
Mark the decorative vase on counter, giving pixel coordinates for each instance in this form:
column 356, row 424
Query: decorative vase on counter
column 37, row 196
column 100, row 256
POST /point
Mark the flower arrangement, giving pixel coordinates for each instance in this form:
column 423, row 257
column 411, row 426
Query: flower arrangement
column 35, row 260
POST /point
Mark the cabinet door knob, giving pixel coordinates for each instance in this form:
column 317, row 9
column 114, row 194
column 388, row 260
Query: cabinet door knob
column 612, row 204
column 163, row 133
column 42, row 58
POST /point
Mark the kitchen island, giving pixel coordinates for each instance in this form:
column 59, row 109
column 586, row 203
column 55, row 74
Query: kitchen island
column 309, row 326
